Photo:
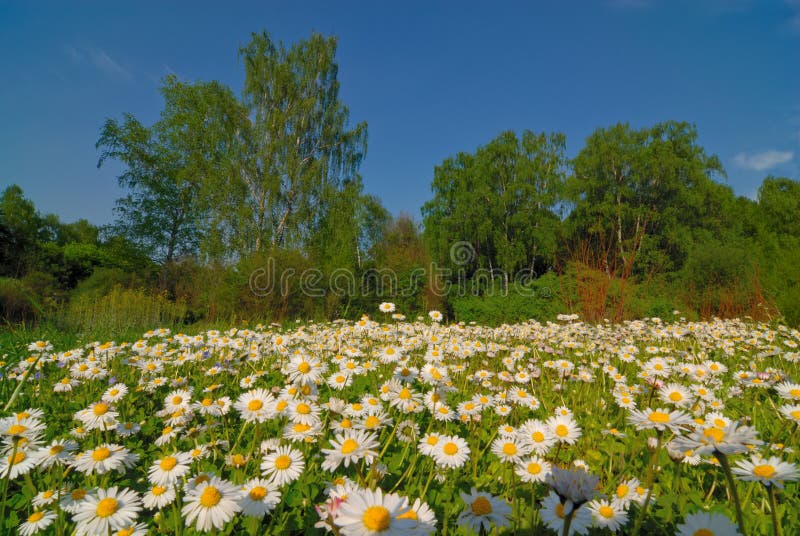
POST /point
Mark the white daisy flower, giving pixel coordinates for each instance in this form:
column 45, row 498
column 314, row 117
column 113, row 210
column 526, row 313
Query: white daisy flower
column 610, row 515
column 259, row 497
column 482, row 511
column 532, row 469
column 451, row 452
column 366, row 512
column 157, row 497
column 770, row 472
column 211, row 504
column 707, row 524
column 108, row 510
column 349, row 447
column 283, row 466
column 170, row 469
column 37, row 521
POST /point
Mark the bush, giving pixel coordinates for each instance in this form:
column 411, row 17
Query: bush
column 17, row 303
column 538, row 300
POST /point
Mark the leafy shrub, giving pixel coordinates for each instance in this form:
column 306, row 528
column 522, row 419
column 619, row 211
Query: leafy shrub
column 16, row 302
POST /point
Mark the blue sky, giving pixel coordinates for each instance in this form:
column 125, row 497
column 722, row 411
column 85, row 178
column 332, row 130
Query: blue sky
column 430, row 78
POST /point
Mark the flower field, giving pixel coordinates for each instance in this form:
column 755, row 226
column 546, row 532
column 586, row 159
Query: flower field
column 388, row 426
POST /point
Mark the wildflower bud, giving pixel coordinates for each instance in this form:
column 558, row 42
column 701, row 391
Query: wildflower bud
column 652, row 443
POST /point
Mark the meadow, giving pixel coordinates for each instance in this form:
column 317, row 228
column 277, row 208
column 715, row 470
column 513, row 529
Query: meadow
column 388, row 425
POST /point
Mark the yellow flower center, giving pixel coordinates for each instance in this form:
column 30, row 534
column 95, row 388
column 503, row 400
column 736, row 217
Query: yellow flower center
column 371, row 422
column 210, row 497
column 255, row 405
column 300, row 428
column 404, row 394
column 450, row 448
column 560, row 510
column 606, row 511
column 124, row 532
column 411, row 514
column 158, row 490
column 481, row 506
column 168, row 463
column 100, row 454
column 34, row 517
column 675, row 396
column 47, row 494
column 509, row 449
column 78, row 494
column 207, row 402
column 622, row 490
column 107, row 507
column 238, row 460
column 763, row 471
column 100, row 409
column 303, row 409
column 281, row 405
column 258, row 493
column 349, row 445
column 177, row 400
column 714, row 433
column 16, row 429
column 376, row 518
column 282, row 462
column 562, row 430
column 304, row 367
column 432, row 440
column 659, row 417
column 795, row 393
column 534, row 468
column 537, row 436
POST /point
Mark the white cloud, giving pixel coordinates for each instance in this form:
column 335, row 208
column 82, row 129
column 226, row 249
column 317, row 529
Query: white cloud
column 763, row 160
column 100, row 59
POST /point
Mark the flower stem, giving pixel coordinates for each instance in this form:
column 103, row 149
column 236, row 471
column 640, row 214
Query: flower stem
column 726, row 467
column 777, row 530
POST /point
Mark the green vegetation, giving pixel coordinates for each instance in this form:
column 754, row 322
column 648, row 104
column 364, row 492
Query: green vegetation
column 252, row 208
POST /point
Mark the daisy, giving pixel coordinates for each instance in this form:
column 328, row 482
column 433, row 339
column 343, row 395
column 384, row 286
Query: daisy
column 789, row 390
column 772, row 471
column 98, row 416
column 533, row 469
column 139, row 529
column 610, row 515
column 427, row 445
column 44, row 498
column 436, row 316
column 71, row 500
column 303, row 370
column 625, row 493
column 732, row 439
column 259, row 497
column 554, row 513
column 677, row 394
column 283, row 466
column 538, row 434
column 106, row 457
column 39, row 520
column 169, row 469
column 660, row 419
column 18, row 463
column 110, row 509
column 451, row 452
column 367, row 512
column 59, row 452
column 424, row 517
column 127, row 429
column 211, row 504
column 256, row 405
column 578, row 486
column 564, row 429
column 386, row 307
column 350, row 447
column 707, row 524
column 791, row 412
column 304, row 412
column 157, row 497
column 509, row 449
column 482, row 511
column 115, row 393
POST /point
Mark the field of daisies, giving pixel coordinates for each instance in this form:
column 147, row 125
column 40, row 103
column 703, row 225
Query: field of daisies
column 399, row 427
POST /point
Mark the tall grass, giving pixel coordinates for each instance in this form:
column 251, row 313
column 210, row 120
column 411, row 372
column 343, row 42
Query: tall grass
column 121, row 310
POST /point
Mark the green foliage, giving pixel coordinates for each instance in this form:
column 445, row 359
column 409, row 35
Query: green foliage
column 502, row 200
column 539, row 300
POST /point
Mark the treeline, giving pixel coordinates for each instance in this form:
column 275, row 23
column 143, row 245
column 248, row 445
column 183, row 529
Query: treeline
column 251, row 207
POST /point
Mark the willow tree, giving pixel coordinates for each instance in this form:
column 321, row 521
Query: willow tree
column 293, row 151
